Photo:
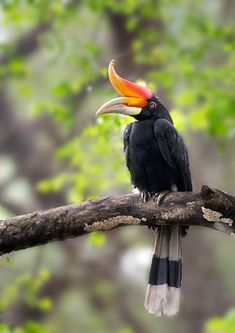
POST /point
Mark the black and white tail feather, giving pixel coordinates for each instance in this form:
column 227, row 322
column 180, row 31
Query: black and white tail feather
column 163, row 290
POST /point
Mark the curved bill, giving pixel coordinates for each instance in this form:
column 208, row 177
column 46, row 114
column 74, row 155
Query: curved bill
column 134, row 97
column 125, row 87
column 123, row 105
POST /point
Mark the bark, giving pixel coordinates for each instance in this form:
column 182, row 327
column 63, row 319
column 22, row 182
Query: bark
column 209, row 208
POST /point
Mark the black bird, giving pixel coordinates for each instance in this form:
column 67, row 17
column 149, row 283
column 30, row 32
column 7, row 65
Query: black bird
column 157, row 159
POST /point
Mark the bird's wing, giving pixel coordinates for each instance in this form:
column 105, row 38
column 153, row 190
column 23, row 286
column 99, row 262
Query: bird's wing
column 174, row 152
column 126, row 142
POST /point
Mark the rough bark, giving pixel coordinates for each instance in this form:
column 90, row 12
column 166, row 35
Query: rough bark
column 209, row 208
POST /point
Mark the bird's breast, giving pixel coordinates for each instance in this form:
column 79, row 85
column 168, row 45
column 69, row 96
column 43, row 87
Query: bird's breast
column 142, row 139
column 145, row 162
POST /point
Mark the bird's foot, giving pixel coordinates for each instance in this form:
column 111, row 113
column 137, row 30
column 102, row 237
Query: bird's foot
column 145, row 196
column 152, row 227
column 158, row 197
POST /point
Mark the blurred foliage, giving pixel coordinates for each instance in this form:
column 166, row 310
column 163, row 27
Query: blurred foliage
column 4, row 213
column 97, row 238
column 29, row 327
column 222, row 324
column 26, row 288
column 29, row 286
column 92, row 159
column 126, row 330
column 186, row 49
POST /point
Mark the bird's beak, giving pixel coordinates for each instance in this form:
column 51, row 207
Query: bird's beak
column 123, row 105
column 134, row 97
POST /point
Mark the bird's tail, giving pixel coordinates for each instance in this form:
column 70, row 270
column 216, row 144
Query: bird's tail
column 163, row 290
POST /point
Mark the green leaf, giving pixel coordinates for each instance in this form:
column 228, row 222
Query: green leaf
column 97, row 239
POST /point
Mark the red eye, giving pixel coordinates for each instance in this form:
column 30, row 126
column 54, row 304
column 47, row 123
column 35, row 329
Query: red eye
column 152, row 105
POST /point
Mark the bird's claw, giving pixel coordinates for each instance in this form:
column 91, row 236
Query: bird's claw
column 152, row 227
column 145, row 196
column 158, row 197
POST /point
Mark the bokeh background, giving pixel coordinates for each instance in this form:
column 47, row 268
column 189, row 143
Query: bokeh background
column 53, row 60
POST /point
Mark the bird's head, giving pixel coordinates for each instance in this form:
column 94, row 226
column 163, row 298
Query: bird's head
column 136, row 101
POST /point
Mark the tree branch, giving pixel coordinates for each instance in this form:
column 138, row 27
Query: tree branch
column 209, row 208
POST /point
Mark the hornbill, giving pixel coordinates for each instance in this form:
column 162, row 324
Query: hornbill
column 157, row 159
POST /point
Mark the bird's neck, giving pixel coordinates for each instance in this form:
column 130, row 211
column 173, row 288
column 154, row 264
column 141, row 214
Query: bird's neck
column 167, row 116
column 161, row 115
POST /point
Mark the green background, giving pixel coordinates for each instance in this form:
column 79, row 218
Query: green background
column 53, row 78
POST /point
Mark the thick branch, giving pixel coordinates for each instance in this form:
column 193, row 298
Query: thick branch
column 209, row 208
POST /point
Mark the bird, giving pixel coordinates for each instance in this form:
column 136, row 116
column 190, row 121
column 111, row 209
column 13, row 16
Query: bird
column 158, row 162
